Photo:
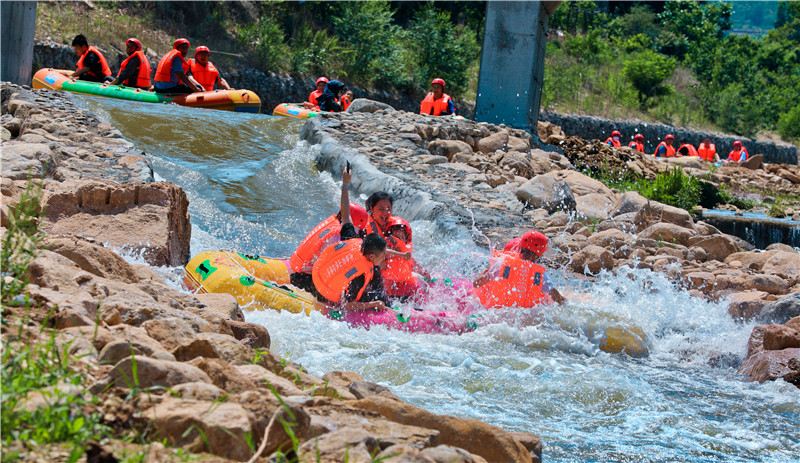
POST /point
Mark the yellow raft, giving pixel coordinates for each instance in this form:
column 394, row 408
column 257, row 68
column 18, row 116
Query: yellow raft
column 256, row 282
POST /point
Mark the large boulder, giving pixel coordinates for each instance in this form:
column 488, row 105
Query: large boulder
column 596, row 206
column 449, row 148
column 783, row 263
column 753, row 260
column 629, row 202
column 655, row 212
column 746, row 304
column 497, row 141
column 214, row 345
column 592, row 259
column 21, row 161
column 583, row 185
column 93, row 258
column 769, row 365
column 671, row 233
column 365, row 105
column 717, row 247
column 545, row 192
column 781, row 310
column 753, row 162
column 144, row 372
column 221, row 428
column 518, row 163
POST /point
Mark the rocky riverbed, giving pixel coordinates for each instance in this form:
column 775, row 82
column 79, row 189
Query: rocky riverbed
column 162, row 366
column 486, row 178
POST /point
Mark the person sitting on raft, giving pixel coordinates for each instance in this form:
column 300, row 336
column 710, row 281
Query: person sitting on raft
column 313, row 97
column 347, row 98
column 135, row 70
column 739, row 153
column 204, row 72
column 329, row 100
column 172, row 74
column 323, row 235
column 347, row 274
column 436, row 102
column 514, row 278
column 399, row 279
column 91, row 65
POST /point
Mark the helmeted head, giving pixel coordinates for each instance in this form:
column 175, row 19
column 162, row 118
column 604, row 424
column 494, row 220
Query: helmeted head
column 182, row 45
column 133, row 45
column 379, row 205
column 438, row 84
column 669, row 138
column 80, row 44
column 320, row 83
column 638, row 137
column 201, row 54
column 616, row 134
column 737, row 145
column 533, row 242
column 400, row 228
column 359, row 216
column 373, row 247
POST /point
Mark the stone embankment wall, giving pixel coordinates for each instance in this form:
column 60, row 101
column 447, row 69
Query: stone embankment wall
column 476, row 176
column 206, row 379
column 591, row 127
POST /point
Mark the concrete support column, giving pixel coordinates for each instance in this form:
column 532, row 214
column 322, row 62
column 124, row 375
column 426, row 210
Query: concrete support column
column 17, row 27
column 512, row 63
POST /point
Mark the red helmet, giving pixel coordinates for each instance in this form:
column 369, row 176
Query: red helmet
column 178, row 42
column 535, row 242
column 201, row 49
column 322, row 79
column 669, row 137
column 438, row 81
column 737, row 144
column 135, row 42
column 638, row 136
column 616, row 133
column 359, row 216
column 396, row 221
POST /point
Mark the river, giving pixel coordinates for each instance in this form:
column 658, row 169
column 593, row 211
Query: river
column 253, row 187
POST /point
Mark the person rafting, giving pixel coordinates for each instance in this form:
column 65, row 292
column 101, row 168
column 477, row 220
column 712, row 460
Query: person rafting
column 347, row 274
column 135, row 69
column 313, row 97
column 739, row 153
column 515, row 278
column 204, row 72
column 637, row 143
column 615, row 140
column 323, row 235
column 436, row 102
column 91, row 65
column 172, row 74
column 347, row 99
column 329, row 100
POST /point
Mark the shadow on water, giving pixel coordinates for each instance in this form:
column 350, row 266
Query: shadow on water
column 253, row 187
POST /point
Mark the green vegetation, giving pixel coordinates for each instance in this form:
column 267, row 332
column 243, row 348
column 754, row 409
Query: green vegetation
column 676, row 63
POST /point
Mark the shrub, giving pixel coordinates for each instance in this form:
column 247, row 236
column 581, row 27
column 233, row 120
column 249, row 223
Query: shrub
column 789, row 124
column 674, row 188
column 318, row 53
column 647, row 71
column 266, row 38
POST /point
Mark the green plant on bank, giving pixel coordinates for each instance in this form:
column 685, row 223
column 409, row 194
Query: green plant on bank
column 20, row 243
column 777, row 209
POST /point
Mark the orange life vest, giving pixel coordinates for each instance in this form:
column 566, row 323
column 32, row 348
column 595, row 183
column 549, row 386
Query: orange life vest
column 312, row 97
column 518, row 283
column 143, row 78
column 337, row 266
column 164, row 69
column 742, row 155
column 637, row 146
column 614, row 143
column 323, row 235
column 345, row 102
column 204, row 75
column 707, row 152
column 103, row 62
column 670, row 150
column 434, row 107
column 398, row 276
column 690, row 149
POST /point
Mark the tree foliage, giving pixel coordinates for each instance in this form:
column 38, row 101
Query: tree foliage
column 647, row 71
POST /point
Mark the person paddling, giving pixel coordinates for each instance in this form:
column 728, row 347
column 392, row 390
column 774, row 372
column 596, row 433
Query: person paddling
column 172, row 73
column 515, row 278
column 347, row 274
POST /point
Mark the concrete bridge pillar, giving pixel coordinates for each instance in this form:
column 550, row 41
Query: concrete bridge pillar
column 17, row 28
column 512, row 63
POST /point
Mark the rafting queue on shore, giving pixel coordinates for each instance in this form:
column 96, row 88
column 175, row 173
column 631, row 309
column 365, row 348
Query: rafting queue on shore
column 706, row 151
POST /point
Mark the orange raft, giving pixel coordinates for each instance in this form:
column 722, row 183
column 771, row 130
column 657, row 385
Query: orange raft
column 226, row 100
column 294, row 110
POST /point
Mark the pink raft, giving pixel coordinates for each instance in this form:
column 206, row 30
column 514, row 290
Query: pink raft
column 417, row 321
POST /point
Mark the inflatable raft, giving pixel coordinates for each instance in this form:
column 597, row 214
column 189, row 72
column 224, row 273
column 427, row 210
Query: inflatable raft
column 227, row 100
column 255, row 282
column 296, row 111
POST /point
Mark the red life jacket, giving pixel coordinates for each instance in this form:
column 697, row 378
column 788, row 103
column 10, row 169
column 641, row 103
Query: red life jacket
column 164, row 68
column 637, row 146
column 143, row 78
column 742, row 155
column 433, row 107
column 103, row 63
column 345, row 102
column 612, row 142
column 707, row 152
column 322, row 236
column 337, row 266
column 312, row 97
column 398, row 276
column 204, row 75
column 690, row 149
column 670, row 150
column 518, row 283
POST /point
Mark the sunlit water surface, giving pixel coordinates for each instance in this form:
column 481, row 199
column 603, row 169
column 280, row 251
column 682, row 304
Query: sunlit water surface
column 253, row 187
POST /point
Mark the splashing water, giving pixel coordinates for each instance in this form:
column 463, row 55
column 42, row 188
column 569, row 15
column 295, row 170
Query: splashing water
column 253, row 187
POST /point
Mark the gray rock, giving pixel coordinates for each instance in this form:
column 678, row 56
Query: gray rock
column 364, row 105
column 782, row 310
column 544, row 192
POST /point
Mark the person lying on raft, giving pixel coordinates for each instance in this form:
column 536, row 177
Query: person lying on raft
column 347, row 274
column 514, row 278
column 398, row 271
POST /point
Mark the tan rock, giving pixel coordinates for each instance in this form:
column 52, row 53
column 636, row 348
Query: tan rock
column 717, row 247
column 704, row 281
column 595, row 206
column 93, row 258
column 752, row 259
column 171, row 332
column 494, row 142
column 668, row 232
column 778, row 337
column 782, row 263
column 263, row 377
column 223, row 305
column 223, row 375
column 655, row 212
column 449, row 148
column 251, row 334
column 592, row 259
column 769, row 365
column 214, row 345
column 153, row 372
column 197, row 391
column 610, row 239
column 746, row 304
column 219, row 428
